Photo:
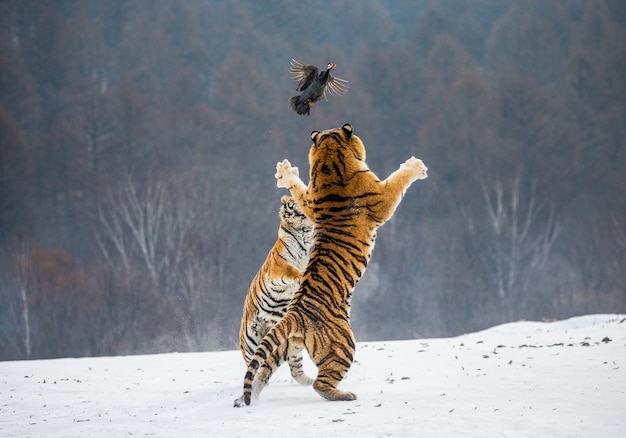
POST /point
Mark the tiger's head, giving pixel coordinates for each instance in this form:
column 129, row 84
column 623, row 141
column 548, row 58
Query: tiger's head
column 336, row 157
column 292, row 218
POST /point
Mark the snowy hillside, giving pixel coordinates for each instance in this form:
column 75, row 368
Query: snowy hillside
column 565, row 378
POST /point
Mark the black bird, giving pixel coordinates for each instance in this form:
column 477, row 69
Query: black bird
column 313, row 85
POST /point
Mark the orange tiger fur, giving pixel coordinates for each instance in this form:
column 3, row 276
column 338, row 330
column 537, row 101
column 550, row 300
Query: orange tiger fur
column 347, row 203
column 274, row 284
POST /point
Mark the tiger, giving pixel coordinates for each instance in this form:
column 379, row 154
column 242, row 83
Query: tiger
column 347, row 204
column 275, row 283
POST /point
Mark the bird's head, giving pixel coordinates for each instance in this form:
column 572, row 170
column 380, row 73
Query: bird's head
column 331, row 66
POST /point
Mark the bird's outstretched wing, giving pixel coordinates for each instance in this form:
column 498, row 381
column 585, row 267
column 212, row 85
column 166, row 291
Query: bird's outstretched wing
column 303, row 73
column 336, row 86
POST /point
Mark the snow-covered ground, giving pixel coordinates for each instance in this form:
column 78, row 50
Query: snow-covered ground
column 556, row 379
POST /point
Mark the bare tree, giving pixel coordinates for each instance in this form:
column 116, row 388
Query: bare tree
column 132, row 222
column 619, row 231
column 516, row 242
column 154, row 232
column 21, row 271
column 15, row 312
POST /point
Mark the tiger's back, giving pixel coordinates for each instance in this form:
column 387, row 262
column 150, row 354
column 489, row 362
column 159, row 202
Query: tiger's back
column 273, row 286
column 347, row 203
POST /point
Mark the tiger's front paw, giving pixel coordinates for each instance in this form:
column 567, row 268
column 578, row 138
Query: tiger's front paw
column 286, row 174
column 417, row 167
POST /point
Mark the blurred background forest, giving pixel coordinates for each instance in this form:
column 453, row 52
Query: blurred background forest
column 138, row 143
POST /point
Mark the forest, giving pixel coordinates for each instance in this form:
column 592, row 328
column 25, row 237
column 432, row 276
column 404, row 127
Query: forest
column 139, row 139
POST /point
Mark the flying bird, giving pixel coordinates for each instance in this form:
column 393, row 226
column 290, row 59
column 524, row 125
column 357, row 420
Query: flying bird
column 313, row 85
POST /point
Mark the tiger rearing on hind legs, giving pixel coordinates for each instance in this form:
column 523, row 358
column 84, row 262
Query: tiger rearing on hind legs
column 347, row 204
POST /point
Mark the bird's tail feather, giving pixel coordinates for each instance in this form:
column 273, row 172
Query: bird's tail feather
column 300, row 106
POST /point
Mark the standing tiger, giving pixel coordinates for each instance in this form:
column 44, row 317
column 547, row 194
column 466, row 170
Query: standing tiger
column 347, row 203
column 276, row 281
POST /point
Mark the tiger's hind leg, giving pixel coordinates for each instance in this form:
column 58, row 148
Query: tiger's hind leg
column 333, row 363
column 294, row 359
column 328, row 377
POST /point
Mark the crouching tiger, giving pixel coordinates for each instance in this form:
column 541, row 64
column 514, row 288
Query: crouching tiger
column 274, row 284
column 347, row 203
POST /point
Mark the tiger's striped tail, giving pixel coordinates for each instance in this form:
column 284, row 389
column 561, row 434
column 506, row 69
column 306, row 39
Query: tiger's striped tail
column 267, row 358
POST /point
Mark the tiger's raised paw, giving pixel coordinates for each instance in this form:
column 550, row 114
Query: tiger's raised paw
column 286, row 175
column 416, row 166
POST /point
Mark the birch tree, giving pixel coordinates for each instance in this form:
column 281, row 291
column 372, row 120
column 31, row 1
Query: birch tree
column 21, row 270
column 154, row 232
column 519, row 232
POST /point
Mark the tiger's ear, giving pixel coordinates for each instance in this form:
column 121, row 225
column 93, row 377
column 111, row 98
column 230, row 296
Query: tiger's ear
column 347, row 129
column 284, row 199
column 314, row 135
